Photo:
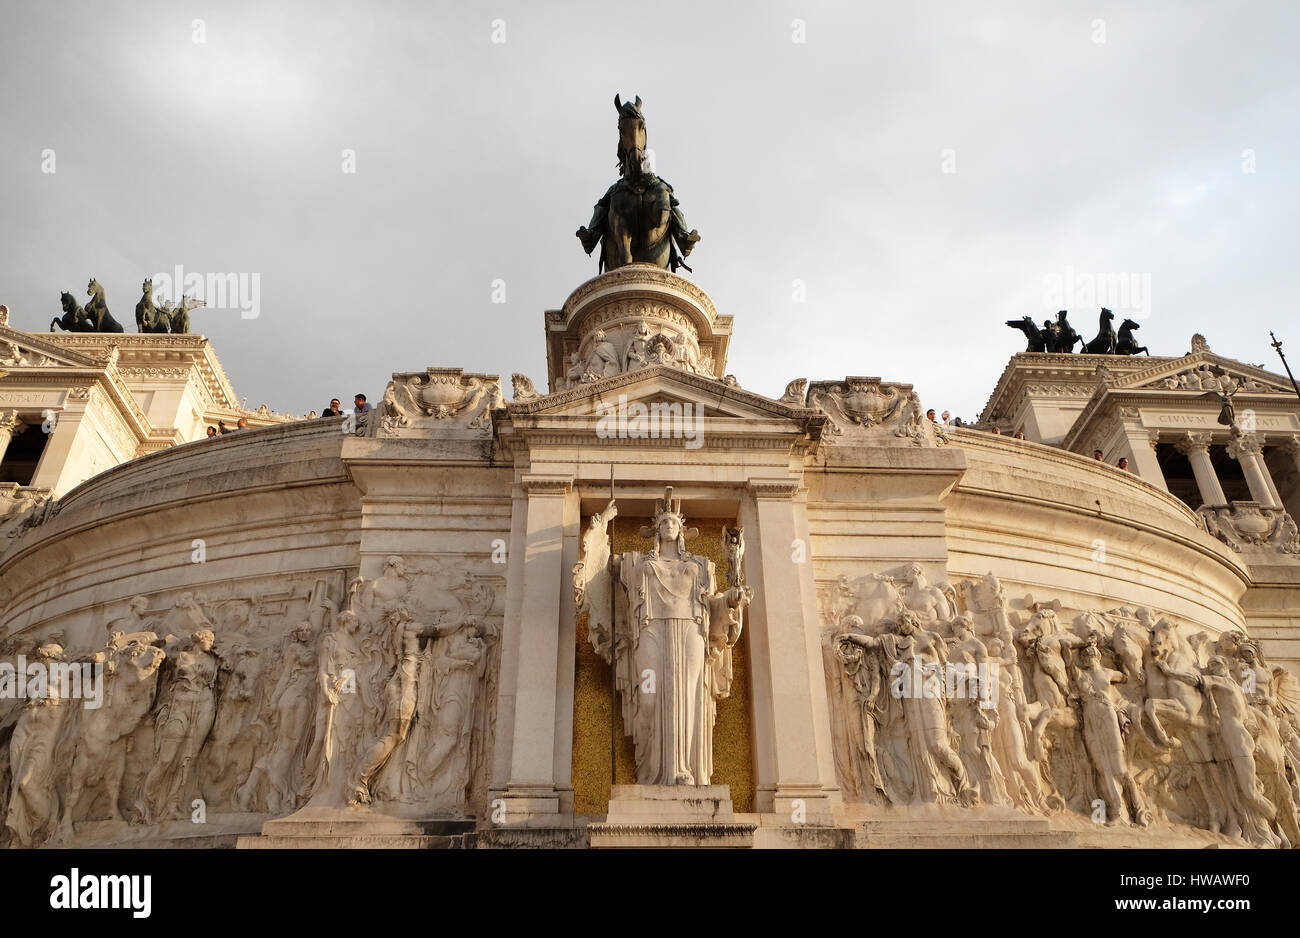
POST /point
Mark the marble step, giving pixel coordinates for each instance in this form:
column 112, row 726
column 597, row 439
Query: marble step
column 358, row 841
column 373, row 826
column 650, row 835
column 964, row 834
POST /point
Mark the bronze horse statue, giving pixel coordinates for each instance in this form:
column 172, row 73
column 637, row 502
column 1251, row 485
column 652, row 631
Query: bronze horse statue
column 148, row 317
column 638, row 220
column 179, row 318
column 1105, row 342
column 74, row 318
column 1037, row 341
column 97, row 309
column 1126, row 344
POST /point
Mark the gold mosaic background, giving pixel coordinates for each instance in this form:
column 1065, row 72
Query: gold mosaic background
column 733, row 757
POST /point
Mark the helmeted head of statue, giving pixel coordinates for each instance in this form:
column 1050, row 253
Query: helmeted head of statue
column 669, row 522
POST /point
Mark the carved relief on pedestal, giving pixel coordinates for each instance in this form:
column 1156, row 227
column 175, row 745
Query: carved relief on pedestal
column 634, row 337
column 1246, row 524
column 433, row 401
column 1121, row 717
column 867, row 409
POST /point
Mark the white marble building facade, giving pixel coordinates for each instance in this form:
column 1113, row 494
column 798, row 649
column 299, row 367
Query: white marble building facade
column 394, row 613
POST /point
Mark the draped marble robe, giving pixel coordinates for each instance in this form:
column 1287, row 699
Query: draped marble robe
column 674, row 665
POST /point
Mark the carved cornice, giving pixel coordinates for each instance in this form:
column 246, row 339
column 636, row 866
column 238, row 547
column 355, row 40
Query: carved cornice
column 157, row 351
column 712, row 391
column 773, row 489
column 647, row 274
column 1052, row 374
column 546, row 484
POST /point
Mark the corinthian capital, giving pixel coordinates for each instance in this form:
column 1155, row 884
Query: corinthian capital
column 1244, row 444
column 1189, row 442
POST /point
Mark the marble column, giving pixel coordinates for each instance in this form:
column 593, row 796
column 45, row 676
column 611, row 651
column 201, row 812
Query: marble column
column 1196, row 446
column 9, row 424
column 1142, row 455
column 794, row 762
column 533, row 610
column 1246, row 449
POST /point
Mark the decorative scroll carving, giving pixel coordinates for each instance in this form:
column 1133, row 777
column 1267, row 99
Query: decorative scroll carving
column 440, row 398
column 867, row 409
column 522, row 388
column 795, row 391
column 1246, row 524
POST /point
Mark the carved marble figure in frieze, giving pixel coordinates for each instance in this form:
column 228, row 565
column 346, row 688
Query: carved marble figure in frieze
column 99, row 762
column 186, row 713
column 33, row 807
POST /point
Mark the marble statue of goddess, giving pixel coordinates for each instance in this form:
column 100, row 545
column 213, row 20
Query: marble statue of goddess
column 672, row 644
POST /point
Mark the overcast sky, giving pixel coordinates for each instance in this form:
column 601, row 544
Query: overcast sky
column 926, row 170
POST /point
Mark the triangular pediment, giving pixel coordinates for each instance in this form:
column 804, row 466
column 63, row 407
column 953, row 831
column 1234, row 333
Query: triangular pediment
column 30, row 350
column 1200, row 371
column 665, row 386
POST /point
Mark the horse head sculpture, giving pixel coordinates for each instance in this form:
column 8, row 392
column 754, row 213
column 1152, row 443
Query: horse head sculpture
column 631, row 137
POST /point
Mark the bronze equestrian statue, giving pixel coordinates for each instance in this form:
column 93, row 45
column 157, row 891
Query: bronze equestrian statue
column 1061, row 336
column 638, row 220
column 1058, row 336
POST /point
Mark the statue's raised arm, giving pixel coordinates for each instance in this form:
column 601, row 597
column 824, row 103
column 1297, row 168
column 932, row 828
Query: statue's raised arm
column 592, row 582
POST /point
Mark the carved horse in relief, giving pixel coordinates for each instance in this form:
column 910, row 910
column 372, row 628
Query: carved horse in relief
column 1126, row 344
column 1105, row 343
